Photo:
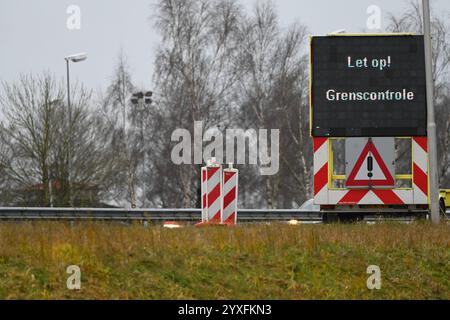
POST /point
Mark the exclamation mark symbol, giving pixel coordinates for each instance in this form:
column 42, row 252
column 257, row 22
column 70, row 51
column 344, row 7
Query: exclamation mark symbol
column 389, row 62
column 370, row 166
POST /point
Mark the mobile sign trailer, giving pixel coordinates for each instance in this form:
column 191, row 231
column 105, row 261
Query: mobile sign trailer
column 369, row 90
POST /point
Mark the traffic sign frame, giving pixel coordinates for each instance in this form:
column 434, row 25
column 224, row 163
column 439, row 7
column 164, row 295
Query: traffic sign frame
column 311, row 107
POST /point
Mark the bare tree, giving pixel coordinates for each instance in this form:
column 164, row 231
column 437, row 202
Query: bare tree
column 220, row 66
column 273, row 91
column 34, row 142
column 119, row 113
column 194, row 80
column 30, row 108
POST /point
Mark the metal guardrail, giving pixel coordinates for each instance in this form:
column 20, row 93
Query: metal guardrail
column 156, row 215
column 160, row 215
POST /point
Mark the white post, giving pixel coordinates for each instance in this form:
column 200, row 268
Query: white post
column 432, row 145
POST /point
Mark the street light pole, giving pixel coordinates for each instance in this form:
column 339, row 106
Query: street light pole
column 69, row 156
column 72, row 58
column 431, row 125
column 68, row 85
column 142, row 100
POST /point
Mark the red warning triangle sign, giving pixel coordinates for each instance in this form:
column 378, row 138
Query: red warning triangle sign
column 378, row 176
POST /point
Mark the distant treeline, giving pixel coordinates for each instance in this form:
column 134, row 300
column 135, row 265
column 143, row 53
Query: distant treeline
column 216, row 63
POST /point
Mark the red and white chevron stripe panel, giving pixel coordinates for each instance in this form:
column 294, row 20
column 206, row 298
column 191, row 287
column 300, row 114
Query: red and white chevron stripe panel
column 420, row 169
column 213, row 203
column 417, row 195
column 321, row 146
column 203, row 194
column 230, row 194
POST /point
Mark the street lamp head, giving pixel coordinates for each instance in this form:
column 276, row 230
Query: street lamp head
column 148, row 96
column 139, row 96
column 76, row 57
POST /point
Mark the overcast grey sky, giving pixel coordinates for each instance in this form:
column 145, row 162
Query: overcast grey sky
column 34, row 36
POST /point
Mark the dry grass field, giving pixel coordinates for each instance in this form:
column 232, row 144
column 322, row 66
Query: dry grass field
column 246, row 262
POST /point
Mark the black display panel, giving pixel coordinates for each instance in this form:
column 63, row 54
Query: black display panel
column 368, row 86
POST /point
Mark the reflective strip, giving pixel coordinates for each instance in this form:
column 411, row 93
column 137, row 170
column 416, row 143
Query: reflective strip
column 420, row 183
column 371, row 199
column 334, row 196
column 318, row 142
column 388, row 197
column 320, row 157
column 320, row 180
column 420, row 157
column 214, row 194
column 353, row 197
column 322, row 197
column 406, row 196
column 422, row 142
column 420, row 170
column 230, row 189
column 368, row 197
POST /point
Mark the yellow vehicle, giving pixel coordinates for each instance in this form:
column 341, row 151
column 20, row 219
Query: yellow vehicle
column 444, row 200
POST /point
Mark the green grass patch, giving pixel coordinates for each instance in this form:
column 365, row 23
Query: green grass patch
column 246, row 262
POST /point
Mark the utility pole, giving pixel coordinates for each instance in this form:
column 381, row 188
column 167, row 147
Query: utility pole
column 432, row 144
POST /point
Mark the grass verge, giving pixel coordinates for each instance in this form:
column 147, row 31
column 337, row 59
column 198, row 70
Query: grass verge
column 246, row 262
